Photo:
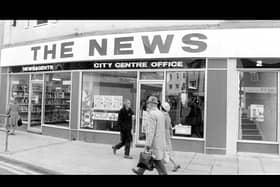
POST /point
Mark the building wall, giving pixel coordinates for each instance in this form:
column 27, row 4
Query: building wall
column 217, row 100
column 3, row 76
column 26, row 30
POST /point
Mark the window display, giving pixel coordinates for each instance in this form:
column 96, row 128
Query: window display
column 187, row 102
column 103, row 95
column 258, row 104
column 57, row 99
column 36, row 103
column 19, row 90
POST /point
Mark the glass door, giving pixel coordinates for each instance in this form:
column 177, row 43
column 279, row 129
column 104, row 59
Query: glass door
column 146, row 89
column 35, row 111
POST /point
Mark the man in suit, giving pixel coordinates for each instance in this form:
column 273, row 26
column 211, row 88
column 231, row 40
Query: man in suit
column 125, row 123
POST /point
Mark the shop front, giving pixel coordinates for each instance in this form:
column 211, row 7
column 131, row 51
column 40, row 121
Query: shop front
column 46, row 98
column 223, row 92
column 43, row 98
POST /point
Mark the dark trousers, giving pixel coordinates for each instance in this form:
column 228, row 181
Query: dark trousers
column 159, row 165
column 126, row 139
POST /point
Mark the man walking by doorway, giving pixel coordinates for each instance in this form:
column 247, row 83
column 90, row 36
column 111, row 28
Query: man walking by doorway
column 125, row 124
column 155, row 137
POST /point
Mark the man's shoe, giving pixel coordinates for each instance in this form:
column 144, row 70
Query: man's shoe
column 136, row 171
column 128, row 157
column 176, row 168
column 114, row 150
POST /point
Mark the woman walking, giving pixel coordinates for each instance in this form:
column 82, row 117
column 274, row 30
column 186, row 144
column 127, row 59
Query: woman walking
column 13, row 112
column 165, row 108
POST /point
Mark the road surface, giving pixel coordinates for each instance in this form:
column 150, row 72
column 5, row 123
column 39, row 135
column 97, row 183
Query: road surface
column 14, row 169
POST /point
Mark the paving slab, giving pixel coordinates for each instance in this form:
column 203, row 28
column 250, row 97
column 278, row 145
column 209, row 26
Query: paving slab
column 77, row 157
column 271, row 166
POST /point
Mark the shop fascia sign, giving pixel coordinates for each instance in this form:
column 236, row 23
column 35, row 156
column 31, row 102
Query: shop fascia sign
column 109, row 47
column 214, row 43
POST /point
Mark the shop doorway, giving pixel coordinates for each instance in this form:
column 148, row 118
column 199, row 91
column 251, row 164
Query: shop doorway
column 35, row 103
column 146, row 89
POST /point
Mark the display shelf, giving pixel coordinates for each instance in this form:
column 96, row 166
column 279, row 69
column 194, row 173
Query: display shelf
column 21, row 94
column 56, row 104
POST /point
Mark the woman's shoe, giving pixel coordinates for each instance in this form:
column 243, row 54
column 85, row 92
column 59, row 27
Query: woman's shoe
column 136, row 171
column 176, row 168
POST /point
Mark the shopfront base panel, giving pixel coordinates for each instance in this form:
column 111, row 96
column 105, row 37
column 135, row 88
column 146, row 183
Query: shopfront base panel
column 56, row 132
column 216, row 151
column 188, row 145
column 99, row 137
column 257, row 148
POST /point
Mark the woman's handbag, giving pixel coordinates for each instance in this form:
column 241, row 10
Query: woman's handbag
column 19, row 123
column 146, row 161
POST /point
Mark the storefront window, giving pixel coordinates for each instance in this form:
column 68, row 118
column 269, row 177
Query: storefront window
column 103, row 95
column 19, row 91
column 57, row 99
column 187, row 103
column 258, row 106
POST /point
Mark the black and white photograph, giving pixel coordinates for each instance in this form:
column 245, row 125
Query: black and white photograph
column 139, row 97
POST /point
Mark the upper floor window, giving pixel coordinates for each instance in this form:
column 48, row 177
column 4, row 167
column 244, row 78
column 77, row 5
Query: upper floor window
column 14, row 23
column 41, row 22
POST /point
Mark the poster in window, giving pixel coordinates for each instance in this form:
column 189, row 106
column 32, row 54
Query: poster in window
column 117, row 102
column 257, row 112
column 107, row 102
column 107, row 116
column 98, row 102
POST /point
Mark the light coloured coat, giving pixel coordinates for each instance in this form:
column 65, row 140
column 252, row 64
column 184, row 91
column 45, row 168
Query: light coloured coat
column 155, row 133
column 168, row 134
column 13, row 111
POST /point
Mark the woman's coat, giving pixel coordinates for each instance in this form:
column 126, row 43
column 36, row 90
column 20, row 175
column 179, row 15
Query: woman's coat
column 13, row 111
column 168, row 131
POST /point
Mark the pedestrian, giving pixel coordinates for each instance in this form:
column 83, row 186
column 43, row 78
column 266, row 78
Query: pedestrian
column 13, row 113
column 165, row 108
column 125, row 124
column 155, row 137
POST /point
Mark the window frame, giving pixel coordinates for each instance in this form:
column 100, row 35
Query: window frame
column 270, row 70
column 204, row 70
column 82, row 72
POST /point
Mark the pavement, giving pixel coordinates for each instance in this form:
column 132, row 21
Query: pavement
column 50, row 155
